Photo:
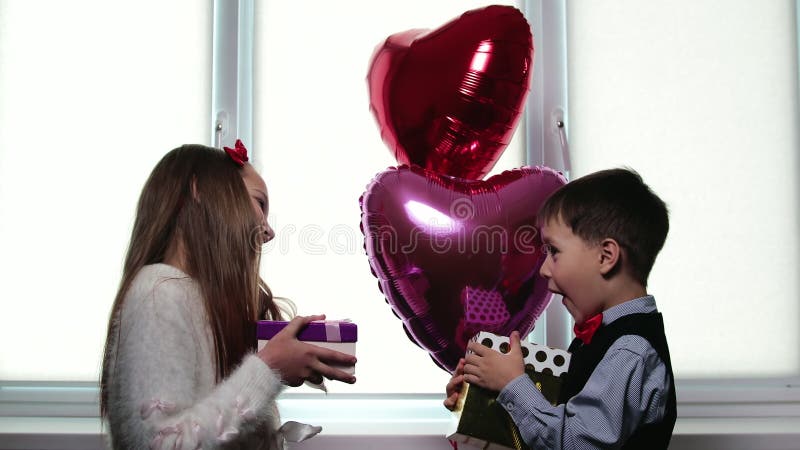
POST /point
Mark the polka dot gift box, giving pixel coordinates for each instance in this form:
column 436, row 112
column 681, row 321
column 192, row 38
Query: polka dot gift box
column 478, row 420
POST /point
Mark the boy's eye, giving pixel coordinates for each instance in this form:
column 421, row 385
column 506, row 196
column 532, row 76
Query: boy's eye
column 548, row 248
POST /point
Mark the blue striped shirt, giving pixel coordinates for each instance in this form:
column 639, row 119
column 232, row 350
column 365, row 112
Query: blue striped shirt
column 627, row 389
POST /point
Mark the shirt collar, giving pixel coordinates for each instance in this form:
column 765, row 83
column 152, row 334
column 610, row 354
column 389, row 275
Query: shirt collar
column 646, row 304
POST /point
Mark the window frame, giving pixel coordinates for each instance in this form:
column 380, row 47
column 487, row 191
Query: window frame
column 401, row 414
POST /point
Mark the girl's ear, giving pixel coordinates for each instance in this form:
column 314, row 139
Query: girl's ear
column 610, row 255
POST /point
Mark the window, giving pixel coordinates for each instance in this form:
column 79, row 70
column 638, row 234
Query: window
column 153, row 92
column 707, row 112
column 318, row 146
column 90, row 103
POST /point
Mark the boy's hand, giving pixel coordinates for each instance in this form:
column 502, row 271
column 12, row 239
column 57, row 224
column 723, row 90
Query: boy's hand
column 491, row 369
column 454, row 386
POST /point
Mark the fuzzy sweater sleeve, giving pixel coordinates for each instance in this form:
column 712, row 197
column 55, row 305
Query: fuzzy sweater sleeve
column 164, row 394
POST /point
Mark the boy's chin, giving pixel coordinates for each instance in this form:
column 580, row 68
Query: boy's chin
column 570, row 309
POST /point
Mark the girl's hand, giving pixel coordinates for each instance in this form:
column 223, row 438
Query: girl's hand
column 454, row 386
column 298, row 361
column 491, row 369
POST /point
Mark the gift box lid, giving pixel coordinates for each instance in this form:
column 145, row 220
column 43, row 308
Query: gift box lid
column 317, row 331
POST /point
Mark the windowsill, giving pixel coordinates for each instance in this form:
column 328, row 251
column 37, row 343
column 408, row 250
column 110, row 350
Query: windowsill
column 52, row 433
column 724, row 415
column 400, row 422
column 90, row 426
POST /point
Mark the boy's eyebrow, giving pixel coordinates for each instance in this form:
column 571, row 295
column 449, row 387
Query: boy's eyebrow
column 548, row 239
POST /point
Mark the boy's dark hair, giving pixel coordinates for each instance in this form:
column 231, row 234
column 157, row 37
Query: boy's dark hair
column 615, row 204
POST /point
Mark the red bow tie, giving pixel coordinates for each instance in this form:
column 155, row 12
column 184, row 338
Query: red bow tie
column 586, row 330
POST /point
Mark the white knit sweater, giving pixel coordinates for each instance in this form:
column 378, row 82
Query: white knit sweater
column 161, row 390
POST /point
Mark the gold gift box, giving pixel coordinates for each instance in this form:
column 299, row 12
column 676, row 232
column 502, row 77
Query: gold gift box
column 480, row 421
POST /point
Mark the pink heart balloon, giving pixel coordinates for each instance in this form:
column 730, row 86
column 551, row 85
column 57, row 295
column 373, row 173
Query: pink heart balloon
column 454, row 257
column 449, row 99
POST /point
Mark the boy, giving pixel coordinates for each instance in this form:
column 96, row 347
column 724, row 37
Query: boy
column 602, row 233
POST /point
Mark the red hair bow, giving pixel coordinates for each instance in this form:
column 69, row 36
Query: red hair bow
column 238, row 154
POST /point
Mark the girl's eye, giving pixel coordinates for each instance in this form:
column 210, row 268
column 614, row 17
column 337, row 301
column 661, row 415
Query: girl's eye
column 261, row 203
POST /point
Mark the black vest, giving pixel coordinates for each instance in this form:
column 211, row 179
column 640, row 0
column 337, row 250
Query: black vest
column 586, row 357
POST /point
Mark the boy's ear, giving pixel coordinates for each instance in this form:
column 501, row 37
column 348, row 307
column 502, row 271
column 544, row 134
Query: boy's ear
column 610, row 255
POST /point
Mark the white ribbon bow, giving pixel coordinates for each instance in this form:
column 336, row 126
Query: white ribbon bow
column 297, row 431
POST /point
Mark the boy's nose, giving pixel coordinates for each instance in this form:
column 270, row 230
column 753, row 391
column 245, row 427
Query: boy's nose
column 545, row 269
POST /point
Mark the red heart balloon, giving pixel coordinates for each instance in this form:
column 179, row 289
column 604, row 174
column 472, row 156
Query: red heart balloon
column 448, row 100
column 454, row 257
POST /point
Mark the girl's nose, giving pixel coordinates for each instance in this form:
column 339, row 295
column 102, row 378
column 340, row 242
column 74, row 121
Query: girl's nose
column 269, row 233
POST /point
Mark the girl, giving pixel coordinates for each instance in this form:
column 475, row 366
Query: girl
column 180, row 368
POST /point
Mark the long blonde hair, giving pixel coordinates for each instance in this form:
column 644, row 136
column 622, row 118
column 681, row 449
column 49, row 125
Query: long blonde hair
column 196, row 194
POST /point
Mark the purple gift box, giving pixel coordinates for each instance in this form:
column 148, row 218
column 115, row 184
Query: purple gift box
column 317, row 331
column 335, row 335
